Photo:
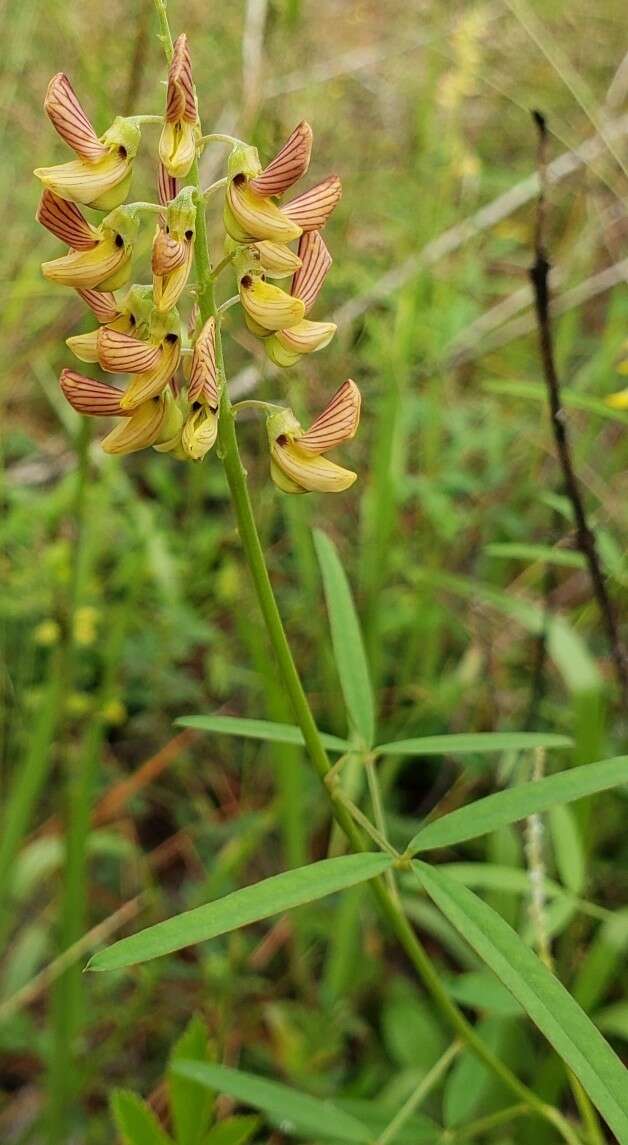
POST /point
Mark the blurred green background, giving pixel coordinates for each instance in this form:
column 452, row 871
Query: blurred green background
column 423, row 110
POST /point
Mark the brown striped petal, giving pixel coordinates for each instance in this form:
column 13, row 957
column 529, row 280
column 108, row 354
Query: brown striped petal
column 181, row 101
column 168, row 253
column 337, row 423
column 203, row 384
column 288, row 165
column 166, row 186
column 102, row 303
column 119, row 353
column 151, row 383
column 65, row 222
column 315, row 263
column 311, row 210
column 70, row 121
column 86, row 395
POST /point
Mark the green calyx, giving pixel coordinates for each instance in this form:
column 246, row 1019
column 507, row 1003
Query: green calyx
column 244, row 160
column 123, row 133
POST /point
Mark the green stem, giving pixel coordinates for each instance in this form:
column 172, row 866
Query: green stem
column 251, row 544
column 425, row 1086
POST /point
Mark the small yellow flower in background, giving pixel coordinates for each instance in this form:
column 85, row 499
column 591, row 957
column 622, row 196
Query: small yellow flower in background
column 100, row 256
column 78, row 703
column 47, row 634
column 114, row 713
column 85, row 625
column 181, row 131
column 173, row 250
column 286, row 346
column 620, row 399
column 297, row 462
column 101, row 176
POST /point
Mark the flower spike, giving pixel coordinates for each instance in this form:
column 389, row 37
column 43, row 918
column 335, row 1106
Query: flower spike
column 311, row 210
column 297, row 461
column 181, row 131
column 288, row 165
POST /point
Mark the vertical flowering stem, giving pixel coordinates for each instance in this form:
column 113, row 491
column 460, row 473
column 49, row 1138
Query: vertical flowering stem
column 254, row 554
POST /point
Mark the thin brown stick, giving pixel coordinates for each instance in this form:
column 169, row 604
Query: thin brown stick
column 585, row 538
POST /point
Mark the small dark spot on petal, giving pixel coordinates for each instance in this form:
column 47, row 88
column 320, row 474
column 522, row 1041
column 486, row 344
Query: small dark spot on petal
column 119, row 241
column 282, row 439
column 246, row 281
column 189, row 234
column 171, row 338
column 122, row 152
column 239, row 179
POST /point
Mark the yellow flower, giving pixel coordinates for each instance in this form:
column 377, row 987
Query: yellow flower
column 297, row 462
column 100, row 256
column 173, row 250
column 101, row 176
column 250, row 212
column 181, row 131
column 203, row 381
column 153, row 361
column 199, row 432
column 128, row 317
column 267, row 305
column 285, row 347
column 276, row 259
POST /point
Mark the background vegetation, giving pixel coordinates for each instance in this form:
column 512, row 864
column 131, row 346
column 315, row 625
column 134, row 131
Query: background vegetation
column 457, row 540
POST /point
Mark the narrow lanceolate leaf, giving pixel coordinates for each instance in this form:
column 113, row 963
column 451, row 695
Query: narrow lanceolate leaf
column 473, row 743
column 543, row 997
column 272, row 896
column 518, row 802
column 315, row 263
column 259, row 729
column 296, row 1113
column 288, row 165
column 347, row 640
column 311, row 210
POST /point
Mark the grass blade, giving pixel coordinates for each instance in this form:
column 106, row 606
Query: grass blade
column 516, row 803
column 295, row 1112
column 258, row 729
column 347, row 640
column 269, row 897
column 465, row 744
column 544, row 998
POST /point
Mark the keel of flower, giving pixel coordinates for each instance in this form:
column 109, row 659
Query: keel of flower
column 181, row 131
column 297, row 461
column 249, row 216
column 268, row 305
column 199, row 432
column 141, row 429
